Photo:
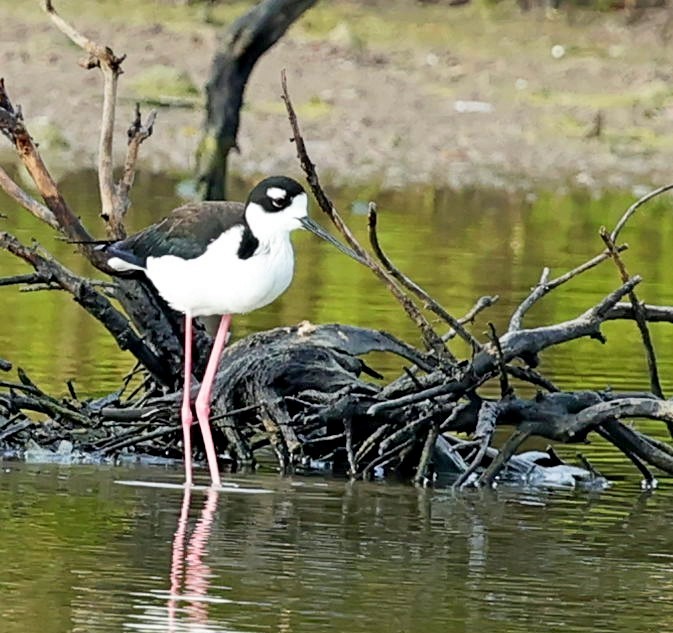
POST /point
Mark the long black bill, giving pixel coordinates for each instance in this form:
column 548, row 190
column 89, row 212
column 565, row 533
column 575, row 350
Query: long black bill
column 316, row 229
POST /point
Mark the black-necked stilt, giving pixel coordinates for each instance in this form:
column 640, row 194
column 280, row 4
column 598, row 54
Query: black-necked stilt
column 220, row 258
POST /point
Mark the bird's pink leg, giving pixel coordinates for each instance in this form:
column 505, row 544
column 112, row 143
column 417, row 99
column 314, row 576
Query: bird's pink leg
column 205, row 394
column 186, row 411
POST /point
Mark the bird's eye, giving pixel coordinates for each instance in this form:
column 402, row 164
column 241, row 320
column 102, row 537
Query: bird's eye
column 279, row 203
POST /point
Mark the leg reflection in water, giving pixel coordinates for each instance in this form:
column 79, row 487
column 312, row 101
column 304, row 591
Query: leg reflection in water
column 190, row 576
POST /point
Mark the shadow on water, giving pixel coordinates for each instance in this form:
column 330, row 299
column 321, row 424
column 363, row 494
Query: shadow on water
column 82, row 553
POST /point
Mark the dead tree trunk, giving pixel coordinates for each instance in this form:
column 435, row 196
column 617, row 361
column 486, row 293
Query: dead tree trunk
column 240, row 47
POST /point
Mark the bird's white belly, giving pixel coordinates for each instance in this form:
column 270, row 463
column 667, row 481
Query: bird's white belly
column 218, row 282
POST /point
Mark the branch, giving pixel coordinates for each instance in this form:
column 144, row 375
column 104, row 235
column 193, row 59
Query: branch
column 430, row 337
column 40, row 211
column 509, row 448
column 137, row 133
column 522, row 343
column 486, row 422
column 13, row 127
column 634, row 207
column 641, row 321
column 29, row 279
column 481, row 304
column 537, row 293
column 104, row 58
column 545, row 286
column 430, row 303
column 93, row 301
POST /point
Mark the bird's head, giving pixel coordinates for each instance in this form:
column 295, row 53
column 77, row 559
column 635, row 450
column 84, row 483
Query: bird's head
column 278, row 205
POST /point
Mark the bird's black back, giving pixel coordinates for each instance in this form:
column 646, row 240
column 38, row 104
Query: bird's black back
column 185, row 233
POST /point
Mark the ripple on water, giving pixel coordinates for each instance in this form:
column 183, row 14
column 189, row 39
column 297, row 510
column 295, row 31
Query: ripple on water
column 324, row 555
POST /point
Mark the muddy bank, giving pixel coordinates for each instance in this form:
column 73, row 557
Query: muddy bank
column 392, row 95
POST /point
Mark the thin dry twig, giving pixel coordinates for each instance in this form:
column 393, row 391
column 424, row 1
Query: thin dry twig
column 634, row 207
column 421, row 478
column 486, row 423
column 137, row 133
column 516, row 320
column 15, row 192
column 110, row 65
column 430, row 337
column 640, row 318
column 480, row 305
column 430, row 303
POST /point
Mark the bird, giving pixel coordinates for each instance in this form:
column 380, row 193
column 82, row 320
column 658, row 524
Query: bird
column 219, row 258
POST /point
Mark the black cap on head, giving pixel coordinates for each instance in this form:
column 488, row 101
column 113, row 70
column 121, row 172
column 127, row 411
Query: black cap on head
column 275, row 193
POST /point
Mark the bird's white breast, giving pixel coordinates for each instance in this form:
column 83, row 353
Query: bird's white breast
column 219, row 282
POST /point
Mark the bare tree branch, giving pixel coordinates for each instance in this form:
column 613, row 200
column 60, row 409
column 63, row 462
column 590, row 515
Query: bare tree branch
column 641, row 321
column 40, row 211
column 634, row 207
column 112, row 208
column 430, row 303
column 431, row 338
column 96, row 304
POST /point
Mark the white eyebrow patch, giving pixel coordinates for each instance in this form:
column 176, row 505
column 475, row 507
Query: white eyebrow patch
column 276, row 193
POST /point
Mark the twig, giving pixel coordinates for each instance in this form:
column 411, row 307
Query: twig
column 533, row 377
column 615, row 440
column 505, row 388
column 110, row 65
column 538, row 292
column 430, row 303
column 7, row 432
column 585, row 462
column 137, row 133
column 641, row 321
column 634, row 207
column 486, row 423
column 426, row 454
column 349, row 446
column 517, row 344
column 582, row 268
column 15, row 192
column 138, row 439
column 370, row 442
column 509, row 448
column 383, row 459
column 481, row 304
column 639, row 445
column 30, row 278
column 409, row 430
column 545, row 285
column 430, row 337
column 93, row 301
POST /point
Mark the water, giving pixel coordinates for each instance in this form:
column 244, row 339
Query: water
column 81, row 552
column 459, row 246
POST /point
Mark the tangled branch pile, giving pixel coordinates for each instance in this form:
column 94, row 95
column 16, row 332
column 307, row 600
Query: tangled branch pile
column 301, row 391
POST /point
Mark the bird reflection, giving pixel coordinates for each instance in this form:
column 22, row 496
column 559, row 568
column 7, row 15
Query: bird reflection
column 190, row 576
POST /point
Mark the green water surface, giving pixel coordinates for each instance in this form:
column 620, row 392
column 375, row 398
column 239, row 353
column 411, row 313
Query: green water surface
column 81, row 552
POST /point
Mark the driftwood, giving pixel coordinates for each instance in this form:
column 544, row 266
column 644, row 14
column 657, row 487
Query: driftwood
column 301, row 394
